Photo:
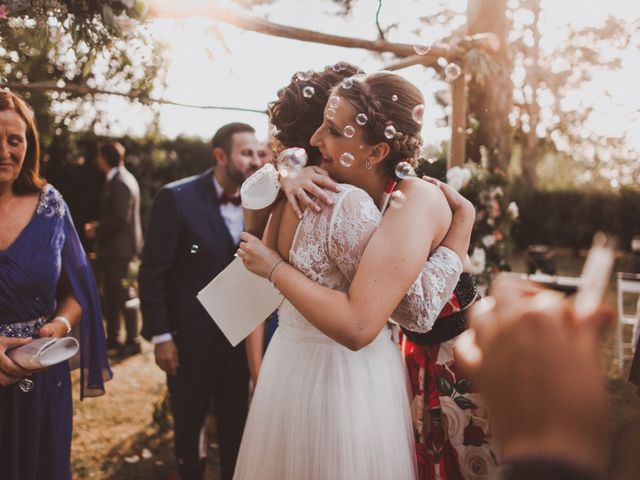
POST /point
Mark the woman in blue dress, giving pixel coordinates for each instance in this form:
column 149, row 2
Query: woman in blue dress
column 38, row 247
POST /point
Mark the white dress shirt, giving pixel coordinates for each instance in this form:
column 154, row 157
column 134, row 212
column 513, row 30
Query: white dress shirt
column 232, row 215
column 112, row 173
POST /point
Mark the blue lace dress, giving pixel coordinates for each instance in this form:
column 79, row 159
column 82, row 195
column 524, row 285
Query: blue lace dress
column 35, row 426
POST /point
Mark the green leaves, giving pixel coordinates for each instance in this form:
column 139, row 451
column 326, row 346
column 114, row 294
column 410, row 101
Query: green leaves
column 464, row 403
column 462, row 386
column 444, row 387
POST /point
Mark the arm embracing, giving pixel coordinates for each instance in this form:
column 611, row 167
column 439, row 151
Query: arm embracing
column 391, row 262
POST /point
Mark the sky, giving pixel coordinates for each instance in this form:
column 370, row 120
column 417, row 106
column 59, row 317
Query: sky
column 251, row 67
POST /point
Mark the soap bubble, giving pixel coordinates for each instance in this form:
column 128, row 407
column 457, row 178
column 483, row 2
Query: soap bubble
column 291, row 161
column 334, row 101
column 397, row 199
column 421, row 49
column 361, row 118
column 331, row 113
column 452, row 72
column 394, row 97
column 347, row 159
column 417, row 114
column 304, row 76
column 349, row 131
column 194, row 248
column 403, row 170
column 308, row 91
column 340, row 66
column 347, row 83
column 390, row 132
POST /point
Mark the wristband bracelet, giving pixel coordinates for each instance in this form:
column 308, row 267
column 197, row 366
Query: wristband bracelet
column 274, row 268
column 66, row 322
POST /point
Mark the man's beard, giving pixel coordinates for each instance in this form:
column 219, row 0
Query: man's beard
column 237, row 175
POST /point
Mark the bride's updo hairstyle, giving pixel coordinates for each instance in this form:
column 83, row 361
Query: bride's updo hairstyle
column 389, row 102
column 299, row 109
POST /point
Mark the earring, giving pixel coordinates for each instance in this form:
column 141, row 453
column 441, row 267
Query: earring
column 367, row 164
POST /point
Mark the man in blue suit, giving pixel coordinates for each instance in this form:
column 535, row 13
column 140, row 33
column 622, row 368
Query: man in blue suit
column 192, row 236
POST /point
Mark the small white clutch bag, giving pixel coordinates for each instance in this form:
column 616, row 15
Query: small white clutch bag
column 261, row 189
column 44, row 352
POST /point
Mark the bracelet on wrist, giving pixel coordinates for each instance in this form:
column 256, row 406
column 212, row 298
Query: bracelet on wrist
column 66, row 322
column 275, row 267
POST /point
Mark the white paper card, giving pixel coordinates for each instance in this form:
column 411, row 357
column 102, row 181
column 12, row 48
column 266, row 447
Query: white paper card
column 238, row 301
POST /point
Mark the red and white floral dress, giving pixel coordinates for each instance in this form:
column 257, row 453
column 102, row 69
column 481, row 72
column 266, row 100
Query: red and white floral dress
column 451, row 427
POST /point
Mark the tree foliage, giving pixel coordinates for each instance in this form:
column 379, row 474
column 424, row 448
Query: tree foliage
column 75, row 43
column 547, row 116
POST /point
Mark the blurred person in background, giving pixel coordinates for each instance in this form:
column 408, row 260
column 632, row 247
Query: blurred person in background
column 119, row 236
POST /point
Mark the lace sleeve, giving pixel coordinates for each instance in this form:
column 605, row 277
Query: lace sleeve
column 433, row 288
column 354, row 220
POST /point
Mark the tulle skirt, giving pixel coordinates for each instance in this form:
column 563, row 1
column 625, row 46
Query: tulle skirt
column 323, row 412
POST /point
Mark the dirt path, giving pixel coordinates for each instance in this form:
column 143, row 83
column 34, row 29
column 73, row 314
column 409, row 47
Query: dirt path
column 116, row 436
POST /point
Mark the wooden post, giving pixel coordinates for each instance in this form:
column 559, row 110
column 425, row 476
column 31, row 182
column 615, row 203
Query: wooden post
column 458, row 122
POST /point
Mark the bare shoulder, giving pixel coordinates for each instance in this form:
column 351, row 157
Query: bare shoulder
column 417, row 190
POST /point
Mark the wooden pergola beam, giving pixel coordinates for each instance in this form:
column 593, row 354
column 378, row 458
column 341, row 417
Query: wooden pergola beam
column 166, row 9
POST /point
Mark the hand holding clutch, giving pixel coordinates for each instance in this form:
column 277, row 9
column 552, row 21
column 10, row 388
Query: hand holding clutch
column 44, row 352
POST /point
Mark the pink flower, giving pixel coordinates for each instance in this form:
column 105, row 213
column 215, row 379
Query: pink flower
column 3, row 12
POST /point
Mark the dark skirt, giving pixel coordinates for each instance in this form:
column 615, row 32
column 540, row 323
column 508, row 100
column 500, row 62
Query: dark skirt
column 35, row 428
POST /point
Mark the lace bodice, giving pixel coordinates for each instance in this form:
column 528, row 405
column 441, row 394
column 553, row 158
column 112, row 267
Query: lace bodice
column 329, row 244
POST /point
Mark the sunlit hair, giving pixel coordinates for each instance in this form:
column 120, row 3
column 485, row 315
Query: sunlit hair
column 29, row 179
column 388, row 100
column 296, row 116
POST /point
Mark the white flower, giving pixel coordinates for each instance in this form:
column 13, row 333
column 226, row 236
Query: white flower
column 513, row 210
column 15, row 22
column 478, row 260
column 458, row 177
column 127, row 25
column 454, row 420
column 488, row 240
column 476, row 463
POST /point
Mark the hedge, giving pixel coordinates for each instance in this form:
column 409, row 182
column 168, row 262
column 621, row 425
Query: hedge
column 569, row 218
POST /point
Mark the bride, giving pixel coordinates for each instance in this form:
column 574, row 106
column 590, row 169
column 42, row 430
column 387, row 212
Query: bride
column 332, row 398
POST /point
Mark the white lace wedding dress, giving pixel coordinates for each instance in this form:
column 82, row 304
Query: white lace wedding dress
column 321, row 411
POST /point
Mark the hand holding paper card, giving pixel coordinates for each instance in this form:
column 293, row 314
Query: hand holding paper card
column 238, row 301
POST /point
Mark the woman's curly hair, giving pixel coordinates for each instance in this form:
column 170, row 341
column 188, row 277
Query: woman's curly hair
column 388, row 100
column 296, row 116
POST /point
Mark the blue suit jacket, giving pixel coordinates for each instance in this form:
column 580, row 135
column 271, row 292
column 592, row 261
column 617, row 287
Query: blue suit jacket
column 187, row 245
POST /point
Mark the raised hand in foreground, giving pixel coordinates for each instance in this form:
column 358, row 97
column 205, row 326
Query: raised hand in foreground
column 538, row 367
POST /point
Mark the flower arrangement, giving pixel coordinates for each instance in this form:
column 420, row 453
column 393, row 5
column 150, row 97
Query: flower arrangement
column 490, row 240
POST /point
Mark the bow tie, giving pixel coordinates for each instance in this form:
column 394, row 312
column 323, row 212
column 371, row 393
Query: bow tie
column 224, row 198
